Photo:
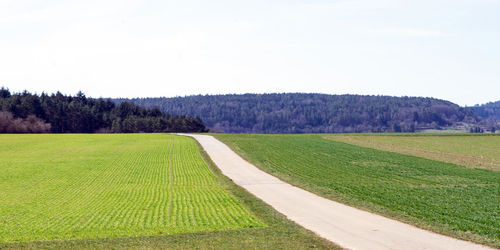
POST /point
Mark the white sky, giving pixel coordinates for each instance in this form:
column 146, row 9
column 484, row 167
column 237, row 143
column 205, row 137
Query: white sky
column 446, row 49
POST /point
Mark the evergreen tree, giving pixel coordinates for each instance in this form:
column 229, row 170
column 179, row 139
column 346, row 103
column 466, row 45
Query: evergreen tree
column 57, row 113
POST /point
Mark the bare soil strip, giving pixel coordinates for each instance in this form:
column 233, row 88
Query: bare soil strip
column 349, row 227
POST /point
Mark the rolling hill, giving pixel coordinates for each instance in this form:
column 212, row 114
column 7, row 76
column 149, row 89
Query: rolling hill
column 313, row 113
column 489, row 110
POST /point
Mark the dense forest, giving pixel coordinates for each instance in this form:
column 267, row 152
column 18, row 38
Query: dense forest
column 489, row 114
column 489, row 111
column 57, row 113
column 313, row 113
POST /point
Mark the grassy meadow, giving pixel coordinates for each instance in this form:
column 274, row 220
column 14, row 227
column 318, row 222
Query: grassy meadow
column 440, row 196
column 129, row 191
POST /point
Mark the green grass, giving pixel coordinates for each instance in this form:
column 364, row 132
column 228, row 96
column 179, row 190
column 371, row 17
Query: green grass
column 479, row 151
column 440, row 196
column 142, row 191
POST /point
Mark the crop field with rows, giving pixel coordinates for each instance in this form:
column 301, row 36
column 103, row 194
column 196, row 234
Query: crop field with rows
column 101, row 186
column 475, row 151
column 443, row 197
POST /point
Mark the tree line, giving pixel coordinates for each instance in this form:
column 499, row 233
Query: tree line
column 313, row 113
column 57, row 113
column 490, row 117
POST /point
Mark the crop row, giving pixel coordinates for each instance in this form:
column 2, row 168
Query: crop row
column 88, row 186
column 465, row 150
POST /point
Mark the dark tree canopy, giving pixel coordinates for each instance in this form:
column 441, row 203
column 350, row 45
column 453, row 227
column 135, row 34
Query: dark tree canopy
column 313, row 113
column 489, row 110
column 489, row 114
column 58, row 113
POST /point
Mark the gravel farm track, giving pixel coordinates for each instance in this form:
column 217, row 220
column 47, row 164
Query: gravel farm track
column 349, row 227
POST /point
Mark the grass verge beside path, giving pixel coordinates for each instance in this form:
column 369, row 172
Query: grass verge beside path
column 475, row 151
column 280, row 233
column 442, row 197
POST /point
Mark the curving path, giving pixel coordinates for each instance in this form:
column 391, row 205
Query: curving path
column 349, row 227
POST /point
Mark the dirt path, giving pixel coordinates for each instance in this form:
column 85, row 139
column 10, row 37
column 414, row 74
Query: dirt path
column 347, row 226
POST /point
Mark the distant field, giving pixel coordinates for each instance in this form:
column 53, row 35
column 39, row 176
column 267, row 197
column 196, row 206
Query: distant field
column 439, row 196
column 478, row 151
column 94, row 186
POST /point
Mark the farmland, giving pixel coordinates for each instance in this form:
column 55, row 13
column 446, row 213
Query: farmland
column 129, row 191
column 91, row 186
column 443, row 197
column 475, row 151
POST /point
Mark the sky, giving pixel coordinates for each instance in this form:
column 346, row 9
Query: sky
column 447, row 49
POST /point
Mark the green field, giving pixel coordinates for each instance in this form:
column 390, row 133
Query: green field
column 443, row 197
column 129, row 191
column 92, row 186
column 475, row 151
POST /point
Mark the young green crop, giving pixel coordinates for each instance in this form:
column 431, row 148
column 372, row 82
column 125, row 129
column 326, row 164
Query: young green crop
column 444, row 197
column 101, row 186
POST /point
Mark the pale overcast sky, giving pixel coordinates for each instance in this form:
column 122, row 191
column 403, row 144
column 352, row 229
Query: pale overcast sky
column 448, row 49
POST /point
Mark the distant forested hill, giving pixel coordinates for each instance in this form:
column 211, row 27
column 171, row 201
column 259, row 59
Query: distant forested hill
column 489, row 110
column 313, row 113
